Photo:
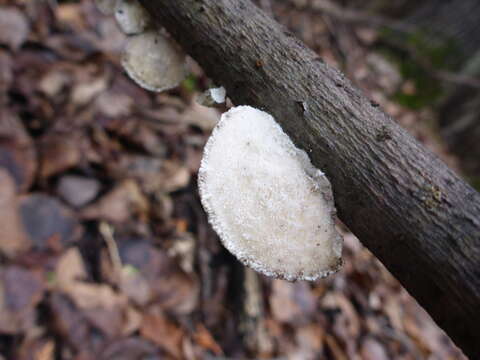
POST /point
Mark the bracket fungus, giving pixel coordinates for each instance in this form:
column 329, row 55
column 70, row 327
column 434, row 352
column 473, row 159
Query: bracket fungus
column 270, row 206
column 154, row 61
column 131, row 16
column 213, row 97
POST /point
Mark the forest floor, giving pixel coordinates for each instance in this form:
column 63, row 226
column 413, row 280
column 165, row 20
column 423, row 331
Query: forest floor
column 106, row 252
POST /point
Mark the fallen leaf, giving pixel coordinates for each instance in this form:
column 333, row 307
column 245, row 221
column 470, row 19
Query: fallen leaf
column 70, row 269
column 78, row 190
column 17, row 151
column 129, row 349
column 20, row 292
column 205, row 339
column 53, row 82
column 83, row 93
column 14, row 27
column 292, row 302
column 170, row 288
column 119, row 205
column 13, row 239
column 46, row 351
column 48, row 223
column 69, row 322
column 164, row 333
column 371, row 349
column 58, row 153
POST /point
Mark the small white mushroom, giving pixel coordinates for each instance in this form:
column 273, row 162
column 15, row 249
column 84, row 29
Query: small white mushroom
column 131, row 16
column 106, row 7
column 154, row 61
column 270, row 206
column 213, row 97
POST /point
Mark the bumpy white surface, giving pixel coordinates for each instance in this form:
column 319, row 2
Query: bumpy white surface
column 131, row 16
column 153, row 61
column 272, row 209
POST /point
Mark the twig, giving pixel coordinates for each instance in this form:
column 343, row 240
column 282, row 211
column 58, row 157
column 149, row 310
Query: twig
column 106, row 231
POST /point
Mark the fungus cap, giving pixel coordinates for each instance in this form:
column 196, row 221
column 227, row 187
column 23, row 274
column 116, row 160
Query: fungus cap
column 131, row 16
column 154, row 61
column 270, row 206
column 213, row 97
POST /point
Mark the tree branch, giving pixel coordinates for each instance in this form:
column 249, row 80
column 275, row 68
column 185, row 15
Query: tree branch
column 403, row 203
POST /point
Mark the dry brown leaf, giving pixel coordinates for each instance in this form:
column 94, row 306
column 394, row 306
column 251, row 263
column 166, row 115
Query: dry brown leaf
column 105, row 308
column 20, row 292
column 83, row 93
column 128, row 349
column 6, row 74
column 205, row 339
column 70, row 270
column 17, row 152
column 164, row 333
column 58, row 152
column 69, row 322
column 156, row 276
column 310, row 340
column 46, row 351
column 13, row 239
column 70, row 14
column 134, row 285
column 53, row 82
column 347, row 323
column 78, row 190
column 292, row 302
column 335, row 348
column 48, row 223
column 119, row 205
column 14, row 27
column 371, row 349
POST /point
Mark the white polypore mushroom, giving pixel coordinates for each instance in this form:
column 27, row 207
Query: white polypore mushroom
column 213, row 97
column 270, row 206
column 131, row 16
column 154, row 61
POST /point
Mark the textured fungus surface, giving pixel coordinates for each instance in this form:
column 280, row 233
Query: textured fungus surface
column 272, row 209
column 131, row 16
column 153, row 61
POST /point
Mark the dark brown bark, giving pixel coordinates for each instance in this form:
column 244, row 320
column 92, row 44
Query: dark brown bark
column 412, row 212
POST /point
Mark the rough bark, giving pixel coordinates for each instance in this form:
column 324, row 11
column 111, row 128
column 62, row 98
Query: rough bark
column 403, row 203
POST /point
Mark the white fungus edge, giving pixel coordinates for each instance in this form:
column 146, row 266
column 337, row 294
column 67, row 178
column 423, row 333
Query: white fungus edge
column 317, row 177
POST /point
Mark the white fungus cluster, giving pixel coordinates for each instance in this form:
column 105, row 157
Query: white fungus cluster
column 150, row 58
column 271, row 208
